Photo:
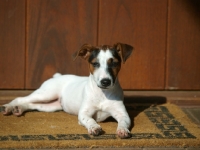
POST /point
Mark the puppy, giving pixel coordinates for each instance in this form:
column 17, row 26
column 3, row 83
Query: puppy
column 93, row 98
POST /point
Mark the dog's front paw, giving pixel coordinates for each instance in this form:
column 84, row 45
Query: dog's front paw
column 123, row 133
column 95, row 130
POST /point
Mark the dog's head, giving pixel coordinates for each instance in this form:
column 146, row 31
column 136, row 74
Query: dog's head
column 105, row 61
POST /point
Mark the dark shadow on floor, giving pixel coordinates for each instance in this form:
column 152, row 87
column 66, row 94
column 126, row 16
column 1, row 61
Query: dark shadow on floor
column 137, row 104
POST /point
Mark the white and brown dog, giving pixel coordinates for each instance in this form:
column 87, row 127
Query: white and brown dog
column 92, row 98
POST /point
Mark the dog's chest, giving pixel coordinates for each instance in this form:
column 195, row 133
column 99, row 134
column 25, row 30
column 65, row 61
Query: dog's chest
column 102, row 100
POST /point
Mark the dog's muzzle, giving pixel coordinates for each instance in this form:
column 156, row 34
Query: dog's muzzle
column 105, row 83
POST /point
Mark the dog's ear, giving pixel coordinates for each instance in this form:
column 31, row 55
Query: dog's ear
column 124, row 50
column 84, row 51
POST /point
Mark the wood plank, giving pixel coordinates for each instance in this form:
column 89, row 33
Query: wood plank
column 143, row 25
column 12, row 44
column 55, row 30
column 183, row 61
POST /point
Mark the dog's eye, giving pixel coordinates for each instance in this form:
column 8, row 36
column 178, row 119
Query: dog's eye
column 96, row 64
column 114, row 64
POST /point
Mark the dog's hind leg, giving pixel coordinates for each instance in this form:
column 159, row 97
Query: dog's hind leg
column 47, row 93
column 19, row 109
column 46, row 107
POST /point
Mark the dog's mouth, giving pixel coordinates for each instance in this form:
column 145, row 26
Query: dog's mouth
column 104, row 88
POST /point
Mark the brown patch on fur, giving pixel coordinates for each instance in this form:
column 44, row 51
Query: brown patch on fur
column 91, row 67
column 105, row 47
column 114, row 66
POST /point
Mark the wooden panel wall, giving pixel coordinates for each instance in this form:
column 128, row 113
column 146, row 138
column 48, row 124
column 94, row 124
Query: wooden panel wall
column 143, row 25
column 55, row 30
column 12, row 44
column 183, row 59
column 38, row 37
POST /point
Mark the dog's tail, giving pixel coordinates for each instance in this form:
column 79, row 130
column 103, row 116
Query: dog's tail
column 57, row 75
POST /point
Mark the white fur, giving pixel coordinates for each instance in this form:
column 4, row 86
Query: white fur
column 101, row 72
column 79, row 96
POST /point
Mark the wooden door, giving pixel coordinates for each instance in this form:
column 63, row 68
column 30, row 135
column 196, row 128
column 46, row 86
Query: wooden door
column 55, row 30
column 143, row 25
column 38, row 38
column 183, row 49
column 12, row 44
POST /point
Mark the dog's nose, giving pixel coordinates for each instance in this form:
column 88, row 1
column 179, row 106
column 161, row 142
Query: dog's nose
column 105, row 82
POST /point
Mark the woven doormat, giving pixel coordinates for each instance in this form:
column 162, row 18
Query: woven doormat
column 152, row 126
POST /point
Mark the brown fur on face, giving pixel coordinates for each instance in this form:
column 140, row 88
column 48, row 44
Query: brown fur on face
column 114, row 66
column 119, row 51
column 124, row 50
column 92, row 68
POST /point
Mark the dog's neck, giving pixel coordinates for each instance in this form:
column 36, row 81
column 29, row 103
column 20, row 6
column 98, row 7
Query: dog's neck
column 114, row 91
